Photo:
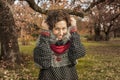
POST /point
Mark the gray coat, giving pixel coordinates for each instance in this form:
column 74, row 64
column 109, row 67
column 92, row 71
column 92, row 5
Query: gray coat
column 46, row 58
column 43, row 55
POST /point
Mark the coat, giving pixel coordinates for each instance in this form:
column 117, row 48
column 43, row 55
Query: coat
column 55, row 65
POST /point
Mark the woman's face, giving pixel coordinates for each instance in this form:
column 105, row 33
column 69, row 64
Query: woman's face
column 60, row 29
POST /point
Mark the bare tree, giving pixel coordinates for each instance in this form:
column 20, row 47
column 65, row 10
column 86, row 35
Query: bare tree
column 8, row 37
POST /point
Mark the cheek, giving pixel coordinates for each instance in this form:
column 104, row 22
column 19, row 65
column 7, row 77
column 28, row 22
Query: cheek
column 65, row 31
column 55, row 32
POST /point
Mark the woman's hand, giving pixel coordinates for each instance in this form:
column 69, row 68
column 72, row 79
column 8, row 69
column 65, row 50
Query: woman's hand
column 45, row 28
column 73, row 21
column 73, row 27
column 45, row 25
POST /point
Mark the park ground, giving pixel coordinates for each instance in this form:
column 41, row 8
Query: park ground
column 101, row 62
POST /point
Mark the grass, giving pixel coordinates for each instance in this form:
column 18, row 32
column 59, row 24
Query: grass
column 27, row 49
column 99, row 66
column 100, row 63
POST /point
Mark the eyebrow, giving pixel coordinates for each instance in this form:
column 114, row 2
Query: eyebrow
column 59, row 27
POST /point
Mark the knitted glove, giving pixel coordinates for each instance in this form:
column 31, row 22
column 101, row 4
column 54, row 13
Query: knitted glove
column 76, row 50
column 73, row 29
column 42, row 52
column 45, row 33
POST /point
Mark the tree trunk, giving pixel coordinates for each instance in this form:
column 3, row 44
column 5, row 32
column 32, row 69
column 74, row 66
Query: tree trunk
column 8, row 34
column 97, row 33
column 107, row 37
column 114, row 33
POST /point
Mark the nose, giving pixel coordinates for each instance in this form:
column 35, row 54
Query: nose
column 61, row 32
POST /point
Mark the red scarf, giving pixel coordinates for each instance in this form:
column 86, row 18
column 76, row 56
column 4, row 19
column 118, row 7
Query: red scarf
column 60, row 49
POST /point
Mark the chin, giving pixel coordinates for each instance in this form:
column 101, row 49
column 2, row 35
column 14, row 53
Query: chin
column 60, row 38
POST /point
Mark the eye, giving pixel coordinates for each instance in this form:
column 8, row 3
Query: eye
column 64, row 28
column 56, row 28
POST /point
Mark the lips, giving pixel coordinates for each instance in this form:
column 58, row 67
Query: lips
column 60, row 37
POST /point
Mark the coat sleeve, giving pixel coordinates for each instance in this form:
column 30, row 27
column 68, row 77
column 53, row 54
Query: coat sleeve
column 76, row 49
column 42, row 53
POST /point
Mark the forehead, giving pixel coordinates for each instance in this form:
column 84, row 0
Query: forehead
column 61, row 24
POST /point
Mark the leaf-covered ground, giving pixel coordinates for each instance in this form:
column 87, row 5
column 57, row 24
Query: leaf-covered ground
column 102, row 62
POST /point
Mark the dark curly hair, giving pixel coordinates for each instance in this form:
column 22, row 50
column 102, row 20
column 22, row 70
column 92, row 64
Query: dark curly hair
column 56, row 16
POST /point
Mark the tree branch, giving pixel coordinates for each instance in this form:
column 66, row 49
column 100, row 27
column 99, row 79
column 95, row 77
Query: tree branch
column 94, row 3
column 112, row 20
column 116, row 16
column 36, row 8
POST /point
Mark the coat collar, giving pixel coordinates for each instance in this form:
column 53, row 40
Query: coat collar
column 53, row 38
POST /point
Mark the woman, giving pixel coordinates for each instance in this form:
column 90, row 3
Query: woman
column 58, row 48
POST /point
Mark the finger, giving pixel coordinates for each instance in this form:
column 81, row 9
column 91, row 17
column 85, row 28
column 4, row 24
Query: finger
column 45, row 25
column 72, row 18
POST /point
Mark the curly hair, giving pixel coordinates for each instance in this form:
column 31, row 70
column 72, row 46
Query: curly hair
column 56, row 16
